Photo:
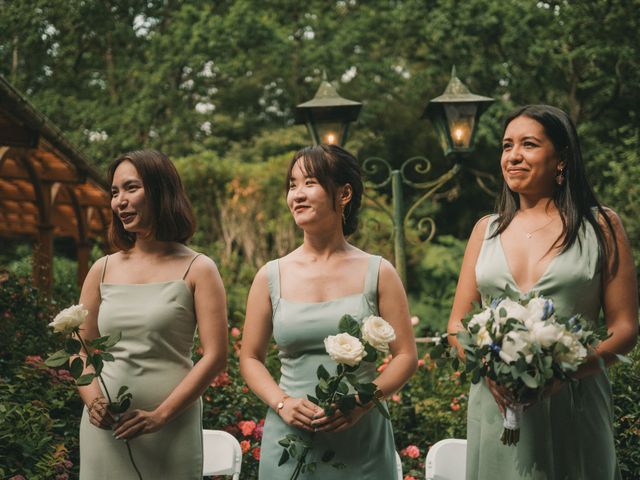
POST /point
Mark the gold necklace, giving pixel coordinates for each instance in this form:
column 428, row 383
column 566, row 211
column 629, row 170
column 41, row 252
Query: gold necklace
column 530, row 234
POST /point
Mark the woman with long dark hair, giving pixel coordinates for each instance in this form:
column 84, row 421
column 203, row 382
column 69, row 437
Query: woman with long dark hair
column 155, row 291
column 300, row 299
column 550, row 235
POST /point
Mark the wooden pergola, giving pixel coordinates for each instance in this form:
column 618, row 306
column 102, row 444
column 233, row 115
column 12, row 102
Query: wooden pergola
column 47, row 187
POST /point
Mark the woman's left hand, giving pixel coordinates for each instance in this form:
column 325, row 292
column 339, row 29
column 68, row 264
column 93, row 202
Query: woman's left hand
column 137, row 422
column 339, row 422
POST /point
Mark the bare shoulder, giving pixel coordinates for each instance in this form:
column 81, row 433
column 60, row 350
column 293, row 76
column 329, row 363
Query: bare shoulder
column 204, row 267
column 387, row 274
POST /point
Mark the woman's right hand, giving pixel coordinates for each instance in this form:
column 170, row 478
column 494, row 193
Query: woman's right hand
column 99, row 414
column 299, row 412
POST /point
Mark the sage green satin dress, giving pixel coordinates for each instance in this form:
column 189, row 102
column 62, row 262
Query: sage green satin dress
column 367, row 449
column 157, row 322
column 568, row 436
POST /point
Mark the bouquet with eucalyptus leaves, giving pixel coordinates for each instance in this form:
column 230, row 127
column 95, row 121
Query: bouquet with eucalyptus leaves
column 522, row 345
column 342, row 391
column 84, row 354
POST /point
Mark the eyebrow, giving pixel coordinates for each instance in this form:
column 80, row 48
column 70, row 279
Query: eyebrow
column 127, row 183
column 526, row 137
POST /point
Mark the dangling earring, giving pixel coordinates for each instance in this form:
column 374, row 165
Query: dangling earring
column 560, row 177
column 344, row 219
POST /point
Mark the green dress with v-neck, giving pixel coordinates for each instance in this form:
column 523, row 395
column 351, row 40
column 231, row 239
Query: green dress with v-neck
column 366, row 449
column 568, row 436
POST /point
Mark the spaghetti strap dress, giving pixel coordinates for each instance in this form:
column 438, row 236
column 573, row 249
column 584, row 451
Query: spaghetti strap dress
column 157, row 322
column 567, row 436
column 299, row 329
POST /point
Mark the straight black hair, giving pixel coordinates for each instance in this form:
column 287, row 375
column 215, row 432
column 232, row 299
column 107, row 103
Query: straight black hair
column 574, row 199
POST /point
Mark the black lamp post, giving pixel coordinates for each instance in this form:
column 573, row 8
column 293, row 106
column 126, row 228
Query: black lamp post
column 327, row 115
column 455, row 115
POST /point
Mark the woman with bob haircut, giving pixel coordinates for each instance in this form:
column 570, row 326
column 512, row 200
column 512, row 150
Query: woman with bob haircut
column 549, row 235
column 155, row 291
column 300, row 299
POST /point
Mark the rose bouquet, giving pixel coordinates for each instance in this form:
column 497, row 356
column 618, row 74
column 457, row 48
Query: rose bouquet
column 68, row 322
column 523, row 346
column 349, row 348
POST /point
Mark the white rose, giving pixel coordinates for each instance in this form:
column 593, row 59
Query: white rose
column 513, row 310
column 69, row 319
column 378, row 333
column 344, row 348
column 546, row 333
column 574, row 352
column 480, row 318
column 513, row 343
column 483, row 338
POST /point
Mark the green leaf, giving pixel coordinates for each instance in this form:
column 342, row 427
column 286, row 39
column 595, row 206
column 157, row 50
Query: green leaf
column 349, row 325
column 328, row 455
column 322, row 372
column 123, row 389
column 311, row 467
column 371, row 355
column 343, row 388
column 85, row 379
column 97, row 363
column 72, row 346
column 76, row 368
column 283, row 458
column 57, row 359
column 347, row 403
column 528, row 380
column 107, row 357
column 284, row 442
column 112, row 340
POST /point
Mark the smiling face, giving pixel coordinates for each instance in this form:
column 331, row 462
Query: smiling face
column 128, row 199
column 529, row 160
column 309, row 203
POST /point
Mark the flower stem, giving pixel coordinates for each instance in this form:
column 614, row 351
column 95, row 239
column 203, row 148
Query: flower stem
column 132, row 460
column 90, row 358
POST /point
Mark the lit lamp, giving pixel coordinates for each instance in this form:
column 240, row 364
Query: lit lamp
column 455, row 114
column 327, row 115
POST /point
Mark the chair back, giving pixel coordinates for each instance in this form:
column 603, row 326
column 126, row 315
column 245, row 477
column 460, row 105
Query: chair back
column 447, row 460
column 221, row 454
column 398, row 467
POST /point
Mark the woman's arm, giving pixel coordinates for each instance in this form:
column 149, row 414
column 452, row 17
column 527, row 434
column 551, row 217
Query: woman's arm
column 394, row 308
column 211, row 315
column 467, row 289
column 256, row 337
column 92, row 394
column 620, row 302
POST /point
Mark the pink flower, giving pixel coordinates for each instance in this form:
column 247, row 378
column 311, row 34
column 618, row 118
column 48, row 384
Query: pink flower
column 409, row 477
column 256, row 453
column 221, row 380
column 235, row 332
column 421, row 362
column 34, row 360
column 245, row 446
column 395, row 398
column 247, row 427
column 65, row 375
column 411, row 451
column 415, row 320
column 257, row 433
column 455, row 406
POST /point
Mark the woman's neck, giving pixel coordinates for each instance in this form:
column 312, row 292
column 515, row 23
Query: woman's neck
column 324, row 245
column 151, row 247
column 537, row 206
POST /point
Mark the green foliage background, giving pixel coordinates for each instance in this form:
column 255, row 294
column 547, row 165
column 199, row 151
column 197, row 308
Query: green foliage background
column 214, row 85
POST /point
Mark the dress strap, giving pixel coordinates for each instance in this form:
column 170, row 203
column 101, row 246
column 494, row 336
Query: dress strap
column 190, row 263
column 273, row 276
column 371, row 282
column 104, row 268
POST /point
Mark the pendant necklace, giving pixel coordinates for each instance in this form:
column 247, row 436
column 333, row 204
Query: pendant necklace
column 530, row 234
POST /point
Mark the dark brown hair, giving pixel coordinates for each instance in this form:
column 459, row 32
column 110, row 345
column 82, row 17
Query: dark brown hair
column 575, row 199
column 172, row 215
column 333, row 167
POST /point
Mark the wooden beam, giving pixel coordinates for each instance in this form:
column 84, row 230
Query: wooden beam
column 11, row 170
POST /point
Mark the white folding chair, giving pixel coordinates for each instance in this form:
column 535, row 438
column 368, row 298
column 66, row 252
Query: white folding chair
column 447, row 460
column 398, row 466
column 221, row 454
